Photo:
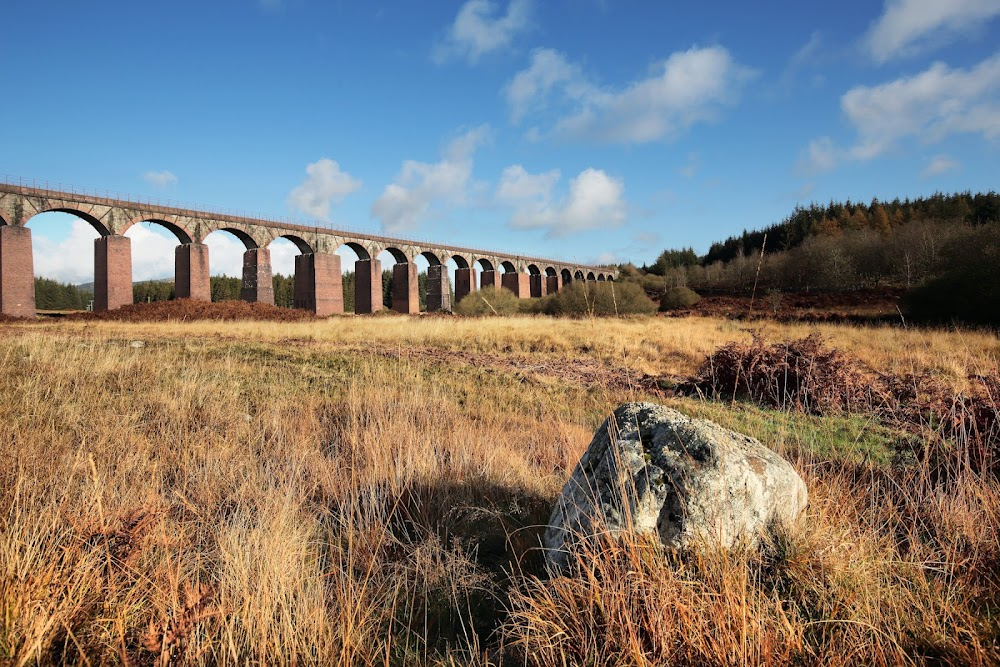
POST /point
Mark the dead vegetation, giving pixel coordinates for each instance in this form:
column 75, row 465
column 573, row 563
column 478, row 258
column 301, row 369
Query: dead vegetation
column 810, row 376
column 186, row 310
column 305, row 493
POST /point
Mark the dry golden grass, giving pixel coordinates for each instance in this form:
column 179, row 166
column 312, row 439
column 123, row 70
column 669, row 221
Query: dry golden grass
column 291, row 493
column 660, row 346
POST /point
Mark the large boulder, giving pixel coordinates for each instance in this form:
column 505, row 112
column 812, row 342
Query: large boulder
column 650, row 469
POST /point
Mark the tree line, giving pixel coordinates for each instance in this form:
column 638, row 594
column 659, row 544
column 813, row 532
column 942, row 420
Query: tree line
column 839, row 217
column 945, row 245
column 841, row 246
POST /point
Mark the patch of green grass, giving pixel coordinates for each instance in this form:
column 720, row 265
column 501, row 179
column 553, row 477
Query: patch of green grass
column 852, row 438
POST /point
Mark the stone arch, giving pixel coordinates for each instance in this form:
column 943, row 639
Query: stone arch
column 431, row 258
column 87, row 217
column 485, row 264
column 578, row 275
column 567, row 276
column 550, row 271
column 358, row 249
column 533, row 270
column 591, row 276
column 601, row 278
column 611, row 279
column 397, row 254
column 460, row 261
column 182, row 234
column 508, row 266
column 303, row 246
column 248, row 241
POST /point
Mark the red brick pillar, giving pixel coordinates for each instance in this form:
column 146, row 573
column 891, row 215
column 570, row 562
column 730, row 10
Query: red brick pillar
column 518, row 283
column 112, row 272
column 489, row 280
column 367, row 286
column 438, row 289
column 553, row 284
column 258, row 287
column 405, row 288
column 465, row 283
column 191, row 272
column 17, row 273
column 536, row 286
column 319, row 286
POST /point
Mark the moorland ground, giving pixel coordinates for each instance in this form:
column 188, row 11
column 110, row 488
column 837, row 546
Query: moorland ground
column 371, row 490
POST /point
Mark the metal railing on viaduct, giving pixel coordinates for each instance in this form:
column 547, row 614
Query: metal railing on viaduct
column 318, row 280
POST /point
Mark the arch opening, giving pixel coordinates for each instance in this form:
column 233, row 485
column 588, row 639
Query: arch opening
column 601, row 278
column 248, row 241
column 62, row 260
column 578, row 275
column 86, row 217
column 508, row 267
column 550, row 271
column 360, row 252
column 611, row 279
column 591, row 276
column 177, row 231
column 396, row 276
column 566, row 276
column 484, row 264
column 300, row 243
column 231, row 262
column 459, row 261
column 533, row 270
column 432, row 259
column 397, row 255
column 357, row 292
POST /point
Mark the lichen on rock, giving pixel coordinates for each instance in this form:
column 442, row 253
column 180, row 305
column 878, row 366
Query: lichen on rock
column 652, row 470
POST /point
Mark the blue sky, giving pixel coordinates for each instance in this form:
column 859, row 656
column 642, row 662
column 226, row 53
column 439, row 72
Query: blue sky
column 586, row 130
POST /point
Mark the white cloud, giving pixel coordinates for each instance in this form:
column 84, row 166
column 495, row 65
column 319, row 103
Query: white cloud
column 594, row 201
column 325, row 186
column 802, row 59
column 407, row 201
column 479, row 29
column 68, row 260
column 691, row 168
column 532, row 86
column 933, row 104
column 686, row 88
column 283, row 254
column 225, row 254
column 820, row 155
column 939, row 165
column 929, row 106
column 908, row 26
column 152, row 252
column 159, row 179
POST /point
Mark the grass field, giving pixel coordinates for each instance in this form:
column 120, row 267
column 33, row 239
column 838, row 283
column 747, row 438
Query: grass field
column 371, row 491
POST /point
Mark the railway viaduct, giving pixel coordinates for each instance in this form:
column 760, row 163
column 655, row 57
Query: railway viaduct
column 318, row 285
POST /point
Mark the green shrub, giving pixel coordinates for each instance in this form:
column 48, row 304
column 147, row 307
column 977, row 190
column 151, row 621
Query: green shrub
column 678, row 297
column 581, row 298
column 653, row 283
column 491, row 302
